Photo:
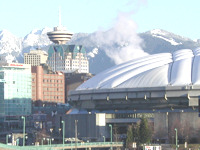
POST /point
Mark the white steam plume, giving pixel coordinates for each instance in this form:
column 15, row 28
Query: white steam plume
column 122, row 42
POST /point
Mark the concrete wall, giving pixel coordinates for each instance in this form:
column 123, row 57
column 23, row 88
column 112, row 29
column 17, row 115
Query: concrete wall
column 187, row 124
column 88, row 126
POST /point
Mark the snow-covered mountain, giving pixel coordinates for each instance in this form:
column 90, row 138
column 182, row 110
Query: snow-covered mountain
column 104, row 49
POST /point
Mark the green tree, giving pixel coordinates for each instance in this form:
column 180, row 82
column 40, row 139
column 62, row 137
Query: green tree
column 129, row 139
column 144, row 131
column 135, row 131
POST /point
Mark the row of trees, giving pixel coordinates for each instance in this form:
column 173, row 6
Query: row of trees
column 140, row 133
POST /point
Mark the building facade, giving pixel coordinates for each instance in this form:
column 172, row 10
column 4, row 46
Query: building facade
column 73, row 80
column 47, row 88
column 68, row 58
column 15, row 90
column 35, row 57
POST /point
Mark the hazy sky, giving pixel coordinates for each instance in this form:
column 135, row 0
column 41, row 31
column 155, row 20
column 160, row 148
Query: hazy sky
column 178, row 16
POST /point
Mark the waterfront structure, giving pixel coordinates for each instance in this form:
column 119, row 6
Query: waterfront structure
column 35, row 57
column 15, row 91
column 47, row 87
column 68, row 58
column 163, row 87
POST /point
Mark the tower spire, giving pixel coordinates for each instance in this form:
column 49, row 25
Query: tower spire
column 59, row 13
column 60, row 35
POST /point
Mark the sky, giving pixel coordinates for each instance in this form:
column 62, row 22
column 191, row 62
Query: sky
column 181, row 17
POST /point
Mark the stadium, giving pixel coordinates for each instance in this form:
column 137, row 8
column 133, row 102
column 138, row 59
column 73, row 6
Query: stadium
column 163, row 87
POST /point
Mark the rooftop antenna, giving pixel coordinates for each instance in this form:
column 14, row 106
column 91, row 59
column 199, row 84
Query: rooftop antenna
column 59, row 17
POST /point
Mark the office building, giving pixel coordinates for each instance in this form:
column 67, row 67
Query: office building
column 47, row 88
column 35, row 57
column 68, row 58
column 15, row 90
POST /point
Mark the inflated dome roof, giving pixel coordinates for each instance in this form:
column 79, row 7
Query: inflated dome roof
column 165, row 69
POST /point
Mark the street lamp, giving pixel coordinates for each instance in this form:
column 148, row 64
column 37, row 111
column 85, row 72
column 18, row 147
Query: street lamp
column 76, row 121
column 176, row 139
column 42, row 141
column 51, row 140
column 51, row 130
column 7, row 138
column 24, row 126
column 71, row 142
column 110, row 135
column 104, row 139
column 59, row 134
column 26, row 137
column 48, row 140
column 63, row 132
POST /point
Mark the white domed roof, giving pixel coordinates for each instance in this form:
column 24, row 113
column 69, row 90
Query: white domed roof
column 158, row 70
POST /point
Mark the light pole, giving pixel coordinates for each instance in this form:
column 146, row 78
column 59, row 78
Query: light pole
column 51, row 140
column 71, row 143
column 48, row 141
column 176, row 139
column 42, row 141
column 63, row 132
column 26, row 137
column 59, row 134
column 24, row 127
column 51, row 130
column 76, row 121
column 7, row 138
column 104, row 139
column 110, row 135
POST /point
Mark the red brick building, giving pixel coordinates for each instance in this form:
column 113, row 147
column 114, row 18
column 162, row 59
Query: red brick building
column 47, row 88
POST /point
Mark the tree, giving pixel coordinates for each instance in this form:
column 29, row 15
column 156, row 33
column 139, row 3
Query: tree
column 144, row 131
column 129, row 139
column 135, row 131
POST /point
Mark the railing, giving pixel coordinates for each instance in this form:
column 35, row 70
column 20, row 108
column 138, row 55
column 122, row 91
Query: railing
column 61, row 146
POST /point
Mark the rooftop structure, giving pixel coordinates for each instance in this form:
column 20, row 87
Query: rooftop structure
column 60, row 35
column 158, row 78
column 159, row 70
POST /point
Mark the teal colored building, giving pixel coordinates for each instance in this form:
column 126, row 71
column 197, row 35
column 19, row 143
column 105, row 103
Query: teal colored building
column 68, row 58
column 15, row 90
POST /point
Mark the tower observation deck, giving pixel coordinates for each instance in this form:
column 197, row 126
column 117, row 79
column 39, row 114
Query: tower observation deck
column 60, row 35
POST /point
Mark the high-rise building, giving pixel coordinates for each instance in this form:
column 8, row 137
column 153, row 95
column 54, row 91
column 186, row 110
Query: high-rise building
column 47, row 88
column 15, row 90
column 35, row 57
column 68, row 58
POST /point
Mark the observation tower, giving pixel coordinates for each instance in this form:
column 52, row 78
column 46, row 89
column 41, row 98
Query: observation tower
column 60, row 35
